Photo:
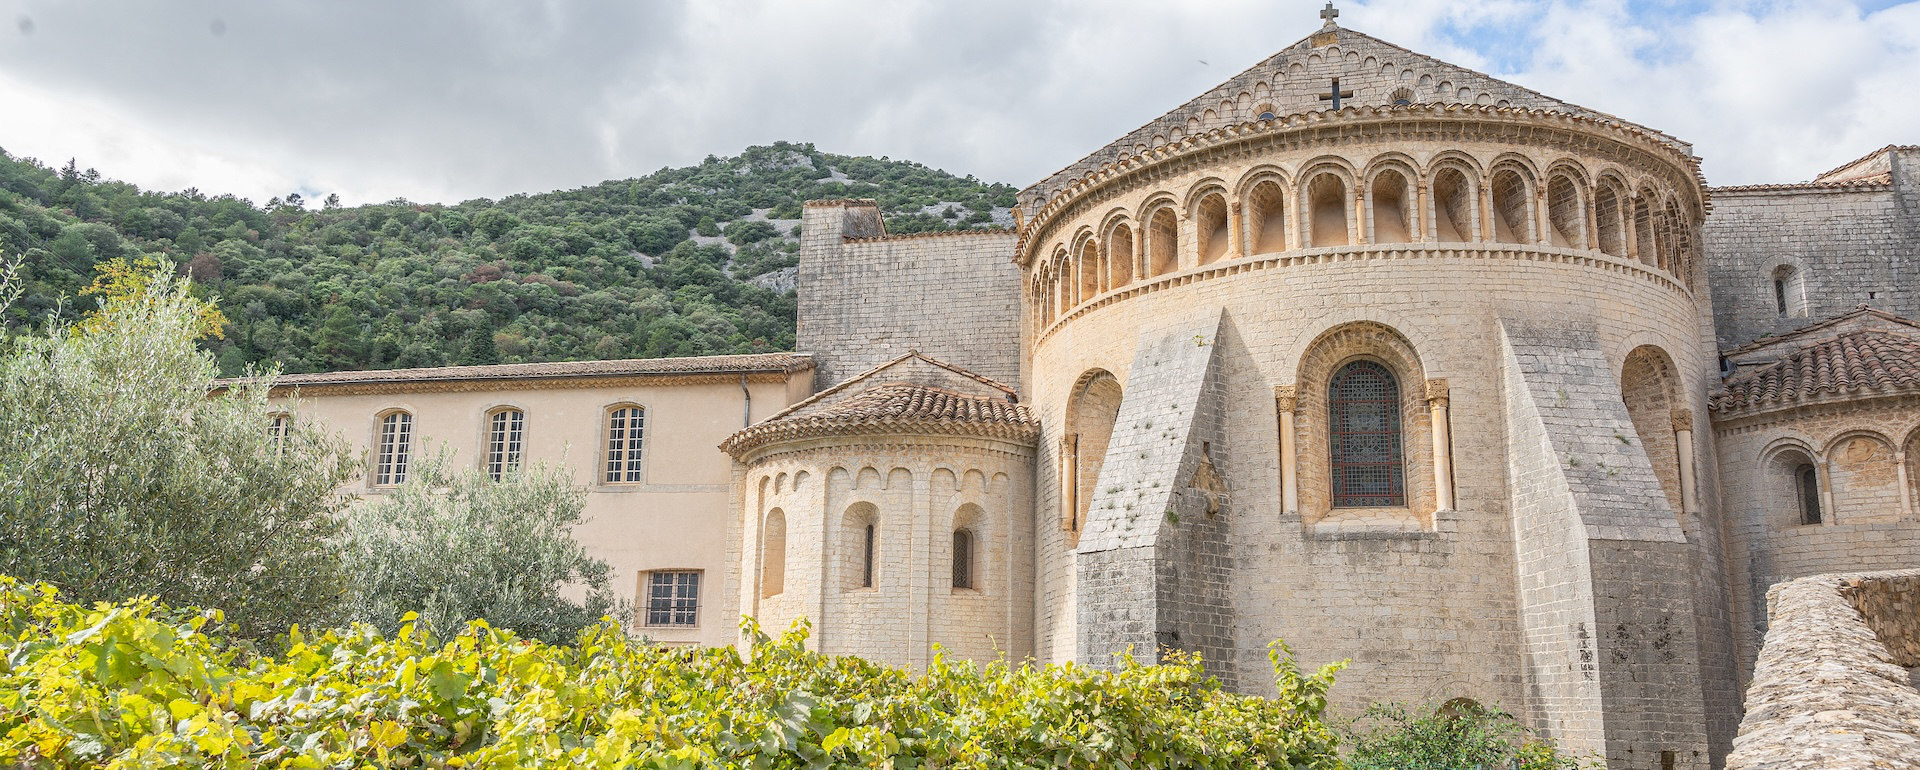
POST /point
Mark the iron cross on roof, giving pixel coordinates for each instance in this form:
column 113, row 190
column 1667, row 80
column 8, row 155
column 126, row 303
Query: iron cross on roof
column 1336, row 94
column 1329, row 13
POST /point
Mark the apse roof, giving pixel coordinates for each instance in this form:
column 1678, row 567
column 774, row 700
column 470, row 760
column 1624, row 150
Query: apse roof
column 1298, row 79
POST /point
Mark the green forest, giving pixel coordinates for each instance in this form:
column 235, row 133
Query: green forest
column 680, row 262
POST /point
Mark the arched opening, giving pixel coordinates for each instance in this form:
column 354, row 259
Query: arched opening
column 1366, row 454
column 1327, row 200
column 1267, row 218
column 1566, row 214
column 1119, row 256
column 773, row 554
column 1512, row 220
column 1210, row 219
column 1648, row 386
column 506, row 433
column 1793, row 487
column 1091, row 411
column 1452, row 206
column 1644, row 237
column 1390, row 208
column 395, row 449
column 1606, row 209
column 1089, row 271
column 859, row 547
column 1163, row 242
column 1063, row 283
column 1789, row 292
column 1863, row 479
column 1670, row 227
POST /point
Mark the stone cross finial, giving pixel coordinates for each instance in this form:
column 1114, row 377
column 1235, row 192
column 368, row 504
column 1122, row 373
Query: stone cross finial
column 1329, row 13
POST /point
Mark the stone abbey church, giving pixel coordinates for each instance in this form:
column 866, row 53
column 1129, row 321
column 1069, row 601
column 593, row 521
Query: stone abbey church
column 1488, row 392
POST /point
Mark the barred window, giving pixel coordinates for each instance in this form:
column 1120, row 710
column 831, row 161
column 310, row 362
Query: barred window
column 673, row 598
column 626, row 427
column 506, row 429
column 396, row 443
column 1363, row 416
column 962, row 558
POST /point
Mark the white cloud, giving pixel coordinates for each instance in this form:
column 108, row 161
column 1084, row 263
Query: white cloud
column 456, row 100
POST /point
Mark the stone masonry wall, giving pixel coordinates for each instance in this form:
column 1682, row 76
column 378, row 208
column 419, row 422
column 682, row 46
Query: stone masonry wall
column 1853, row 246
column 866, row 298
column 1833, row 688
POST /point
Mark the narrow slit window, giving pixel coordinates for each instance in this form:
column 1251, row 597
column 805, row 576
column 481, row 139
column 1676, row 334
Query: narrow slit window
column 1363, row 414
column 673, row 599
column 866, row 566
column 626, row 431
column 1807, row 483
column 396, row 443
column 962, row 558
column 506, row 430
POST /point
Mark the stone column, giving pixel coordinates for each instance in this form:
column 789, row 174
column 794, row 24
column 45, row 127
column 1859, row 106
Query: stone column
column 1683, row 442
column 1360, row 231
column 1442, row 446
column 1900, row 476
column 1429, row 218
column 1283, row 397
column 1236, row 232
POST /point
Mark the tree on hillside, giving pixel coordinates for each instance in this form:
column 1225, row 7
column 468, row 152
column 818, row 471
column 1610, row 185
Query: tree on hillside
column 454, row 545
column 120, row 477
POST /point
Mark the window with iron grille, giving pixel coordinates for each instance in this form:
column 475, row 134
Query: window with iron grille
column 396, row 442
column 673, row 598
column 962, row 558
column 1363, row 418
column 505, row 432
column 626, row 428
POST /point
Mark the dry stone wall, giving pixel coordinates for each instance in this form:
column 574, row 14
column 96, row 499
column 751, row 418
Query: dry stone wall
column 1833, row 688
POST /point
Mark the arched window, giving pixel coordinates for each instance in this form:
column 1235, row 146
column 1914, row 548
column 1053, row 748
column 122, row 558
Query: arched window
column 1512, row 214
column 1453, row 207
column 1789, row 292
column 773, row 554
column 859, row 547
column 1091, row 411
column 505, row 430
column 963, row 558
column 1806, row 482
column 1119, row 256
column 866, row 559
column 1210, row 218
column 1089, row 271
column 1163, row 238
column 1607, row 212
column 1363, row 413
column 1390, row 219
column 394, row 447
column 626, row 433
column 1566, row 214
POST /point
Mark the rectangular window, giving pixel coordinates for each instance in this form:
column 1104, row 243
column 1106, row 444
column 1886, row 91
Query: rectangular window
column 866, row 572
column 963, row 559
column 626, row 428
column 673, row 598
column 278, row 429
column 396, row 441
column 505, row 430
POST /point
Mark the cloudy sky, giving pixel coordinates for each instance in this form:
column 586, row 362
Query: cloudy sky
column 445, row 100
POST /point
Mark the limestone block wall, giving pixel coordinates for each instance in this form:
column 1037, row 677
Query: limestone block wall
column 1865, row 453
column 1834, row 687
column 866, row 297
column 1850, row 246
column 915, row 491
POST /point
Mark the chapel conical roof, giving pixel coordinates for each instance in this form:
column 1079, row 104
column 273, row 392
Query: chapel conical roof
column 1294, row 80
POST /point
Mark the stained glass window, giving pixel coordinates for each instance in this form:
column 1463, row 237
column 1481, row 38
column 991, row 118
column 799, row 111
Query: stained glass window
column 1363, row 414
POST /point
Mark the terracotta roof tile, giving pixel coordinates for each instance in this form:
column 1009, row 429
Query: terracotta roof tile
column 896, row 408
column 1866, row 361
column 753, row 362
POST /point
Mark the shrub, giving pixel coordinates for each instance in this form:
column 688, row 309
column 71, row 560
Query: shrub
column 119, row 477
column 139, row 685
column 455, row 546
column 1453, row 736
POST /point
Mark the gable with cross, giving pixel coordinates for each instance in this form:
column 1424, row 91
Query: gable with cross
column 1336, row 94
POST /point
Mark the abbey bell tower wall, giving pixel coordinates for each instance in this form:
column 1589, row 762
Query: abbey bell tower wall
column 866, row 297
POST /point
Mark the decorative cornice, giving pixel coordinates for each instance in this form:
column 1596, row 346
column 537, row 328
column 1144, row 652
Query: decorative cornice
column 1346, row 126
column 530, row 383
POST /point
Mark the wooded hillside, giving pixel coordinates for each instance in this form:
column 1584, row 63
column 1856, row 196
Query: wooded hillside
column 686, row 261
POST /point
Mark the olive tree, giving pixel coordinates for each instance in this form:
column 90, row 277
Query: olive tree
column 125, row 471
column 454, row 545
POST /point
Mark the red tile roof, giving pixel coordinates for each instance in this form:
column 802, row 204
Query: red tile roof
column 1867, row 361
column 753, row 362
column 896, row 408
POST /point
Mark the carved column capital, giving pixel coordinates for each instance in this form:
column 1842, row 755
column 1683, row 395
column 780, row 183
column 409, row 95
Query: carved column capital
column 1682, row 419
column 1283, row 395
column 1437, row 392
